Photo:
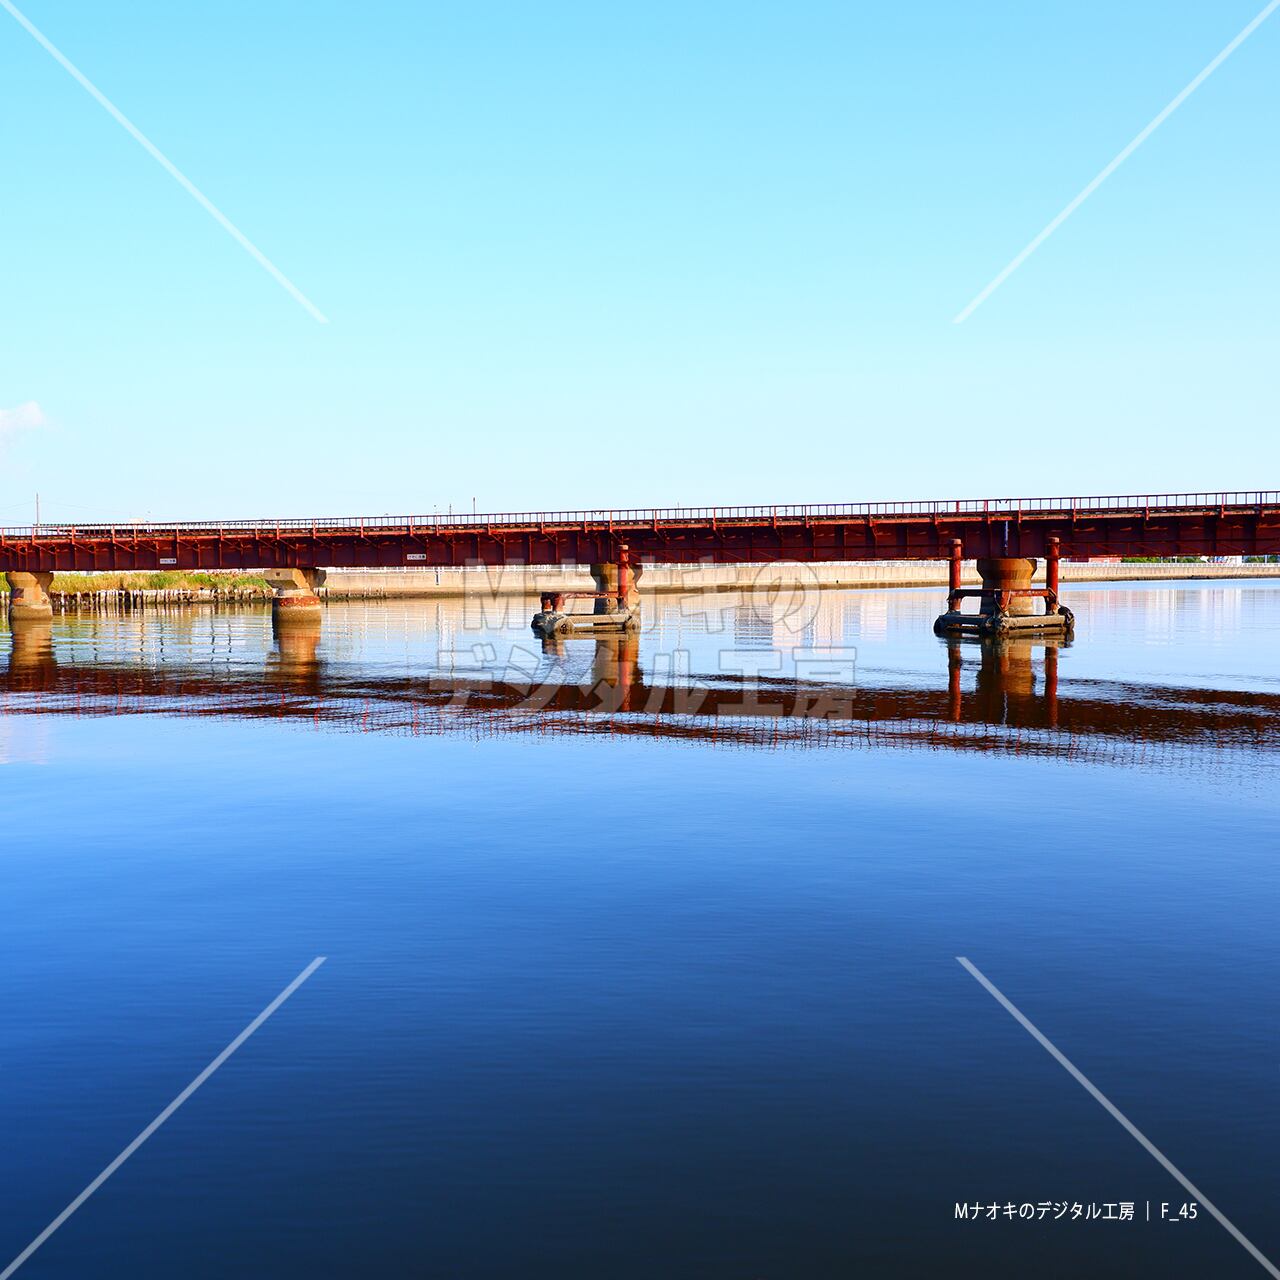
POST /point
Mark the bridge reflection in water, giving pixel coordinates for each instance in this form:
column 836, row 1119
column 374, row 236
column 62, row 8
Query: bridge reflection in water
column 999, row 695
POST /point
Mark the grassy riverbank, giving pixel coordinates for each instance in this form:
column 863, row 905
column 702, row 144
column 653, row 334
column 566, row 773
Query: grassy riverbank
column 168, row 580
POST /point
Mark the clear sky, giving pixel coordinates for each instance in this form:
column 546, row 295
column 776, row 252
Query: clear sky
column 580, row 254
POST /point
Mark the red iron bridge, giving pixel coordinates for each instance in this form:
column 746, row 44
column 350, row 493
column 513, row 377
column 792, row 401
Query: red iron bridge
column 1003, row 534
column 1193, row 524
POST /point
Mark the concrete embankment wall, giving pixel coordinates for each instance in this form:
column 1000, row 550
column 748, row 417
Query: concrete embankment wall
column 530, row 580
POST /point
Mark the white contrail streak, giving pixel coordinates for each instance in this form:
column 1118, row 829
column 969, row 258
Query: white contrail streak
column 166, row 164
column 1113, row 166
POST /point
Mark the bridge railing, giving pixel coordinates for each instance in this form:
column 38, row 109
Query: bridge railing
column 648, row 516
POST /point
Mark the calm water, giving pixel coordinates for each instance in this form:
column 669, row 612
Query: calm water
column 631, row 971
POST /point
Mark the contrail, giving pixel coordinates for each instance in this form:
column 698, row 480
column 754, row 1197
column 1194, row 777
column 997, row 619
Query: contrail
column 165, row 163
column 1113, row 166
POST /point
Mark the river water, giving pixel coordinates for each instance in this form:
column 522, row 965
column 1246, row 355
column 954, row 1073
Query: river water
column 641, row 959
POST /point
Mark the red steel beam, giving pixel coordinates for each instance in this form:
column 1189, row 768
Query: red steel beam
column 1164, row 525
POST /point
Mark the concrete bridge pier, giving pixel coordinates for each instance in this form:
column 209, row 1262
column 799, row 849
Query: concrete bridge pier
column 1008, row 601
column 615, row 602
column 29, row 597
column 618, row 585
column 1002, row 577
column 295, row 600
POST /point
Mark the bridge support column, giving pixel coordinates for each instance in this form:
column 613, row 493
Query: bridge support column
column 29, row 597
column 1002, row 577
column 618, row 583
column 295, row 599
column 615, row 604
column 1007, row 598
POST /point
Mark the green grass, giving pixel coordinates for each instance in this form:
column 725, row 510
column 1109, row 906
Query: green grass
column 169, row 580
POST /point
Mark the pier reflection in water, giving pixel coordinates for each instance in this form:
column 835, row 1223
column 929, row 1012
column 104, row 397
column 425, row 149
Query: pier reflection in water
column 995, row 694
column 294, row 660
column 31, row 657
column 1010, row 689
column 641, row 948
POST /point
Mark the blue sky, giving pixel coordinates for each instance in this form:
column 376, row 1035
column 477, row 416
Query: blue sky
column 589, row 255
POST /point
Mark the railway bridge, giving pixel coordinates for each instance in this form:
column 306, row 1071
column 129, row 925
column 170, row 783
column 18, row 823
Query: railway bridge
column 1006, row 536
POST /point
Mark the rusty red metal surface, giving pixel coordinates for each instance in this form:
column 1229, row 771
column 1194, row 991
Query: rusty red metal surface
column 1204, row 524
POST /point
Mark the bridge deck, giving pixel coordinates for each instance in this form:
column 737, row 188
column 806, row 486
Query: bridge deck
column 1243, row 523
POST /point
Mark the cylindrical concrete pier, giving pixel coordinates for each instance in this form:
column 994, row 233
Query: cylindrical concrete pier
column 619, row 581
column 29, row 597
column 616, row 606
column 1009, row 600
column 295, row 600
column 1008, row 574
